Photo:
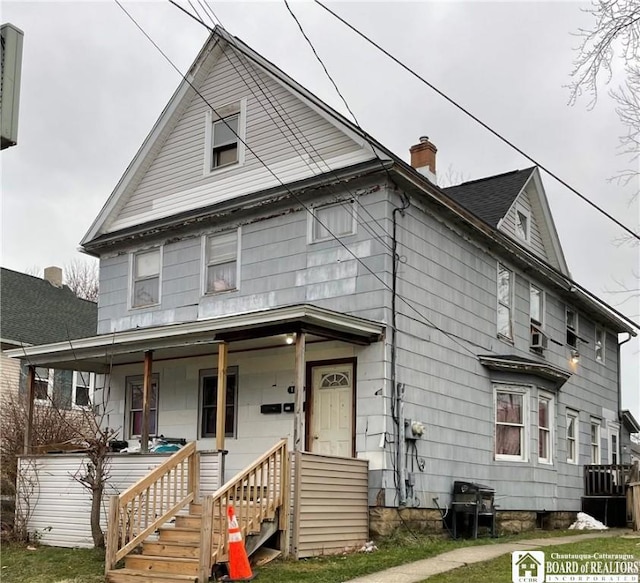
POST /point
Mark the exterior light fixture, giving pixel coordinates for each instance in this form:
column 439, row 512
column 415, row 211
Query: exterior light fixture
column 575, row 357
column 290, row 338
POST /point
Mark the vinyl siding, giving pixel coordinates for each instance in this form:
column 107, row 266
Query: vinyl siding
column 536, row 233
column 175, row 180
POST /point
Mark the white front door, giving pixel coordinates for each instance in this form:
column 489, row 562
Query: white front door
column 332, row 410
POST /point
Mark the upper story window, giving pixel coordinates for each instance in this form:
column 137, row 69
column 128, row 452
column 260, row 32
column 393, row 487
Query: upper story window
column 599, row 344
column 572, row 437
column 505, row 294
column 145, row 278
column 595, row 441
column 221, row 256
column 545, row 428
column 536, row 297
column 225, row 136
column 332, row 220
column 572, row 328
column 523, row 224
column 135, row 404
column 510, row 412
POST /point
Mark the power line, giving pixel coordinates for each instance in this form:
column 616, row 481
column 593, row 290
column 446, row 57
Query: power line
column 479, row 121
column 288, row 190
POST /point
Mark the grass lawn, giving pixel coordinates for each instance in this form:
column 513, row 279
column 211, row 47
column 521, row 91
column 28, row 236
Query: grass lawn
column 56, row 565
column 499, row 570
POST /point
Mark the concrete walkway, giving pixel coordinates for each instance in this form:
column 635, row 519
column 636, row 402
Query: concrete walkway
column 421, row 570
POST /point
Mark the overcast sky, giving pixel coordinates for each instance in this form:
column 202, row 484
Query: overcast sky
column 93, row 85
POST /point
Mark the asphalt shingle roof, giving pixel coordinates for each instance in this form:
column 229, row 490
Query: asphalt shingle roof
column 35, row 312
column 490, row 198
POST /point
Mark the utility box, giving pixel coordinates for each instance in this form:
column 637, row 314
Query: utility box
column 413, row 429
column 10, row 74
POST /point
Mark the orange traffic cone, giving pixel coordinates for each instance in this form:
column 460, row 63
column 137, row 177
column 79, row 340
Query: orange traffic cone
column 239, row 568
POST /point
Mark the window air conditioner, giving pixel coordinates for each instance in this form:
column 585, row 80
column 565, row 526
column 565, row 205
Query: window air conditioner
column 539, row 339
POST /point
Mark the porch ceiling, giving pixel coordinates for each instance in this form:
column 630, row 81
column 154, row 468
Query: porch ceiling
column 248, row 331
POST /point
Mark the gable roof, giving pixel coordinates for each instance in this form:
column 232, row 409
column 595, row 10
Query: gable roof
column 490, row 198
column 32, row 311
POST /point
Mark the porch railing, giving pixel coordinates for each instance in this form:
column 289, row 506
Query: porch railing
column 606, row 479
column 150, row 502
column 256, row 493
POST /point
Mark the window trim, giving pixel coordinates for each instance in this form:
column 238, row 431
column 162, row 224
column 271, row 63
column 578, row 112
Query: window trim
column 74, row 386
column 128, row 381
column 613, row 429
column 49, row 380
column 132, row 281
column 223, row 111
column 527, row 214
column 571, row 414
column 524, row 392
column 538, row 323
column 575, row 330
column 312, row 221
column 603, row 333
column 213, row 372
column 595, row 423
column 499, row 303
column 548, row 397
column 205, row 262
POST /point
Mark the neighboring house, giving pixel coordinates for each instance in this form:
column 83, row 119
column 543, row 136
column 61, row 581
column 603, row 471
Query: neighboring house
column 40, row 311
column 359, row 310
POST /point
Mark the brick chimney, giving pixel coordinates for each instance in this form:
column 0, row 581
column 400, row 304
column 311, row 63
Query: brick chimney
column 423, row 158
column 53, row 275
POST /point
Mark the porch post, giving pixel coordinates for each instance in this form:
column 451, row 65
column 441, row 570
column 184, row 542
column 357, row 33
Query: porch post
column 146, row 400
column 31, row 392
column 222, row 396
column 298, row 428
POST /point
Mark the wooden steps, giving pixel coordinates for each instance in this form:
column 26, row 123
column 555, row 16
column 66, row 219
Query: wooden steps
column 131, row 576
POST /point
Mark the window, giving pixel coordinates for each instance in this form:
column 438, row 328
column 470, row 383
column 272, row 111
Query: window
column 545, row 426
column 225, row 136
column 43, row 384
column 221, row 256
column 572, row 437
column 599, row 344
column 572, row 328
column 82, row 391
column 505, row 327
column 146, row 278
column 523, row 224
column 614, row 444
column 536, row 298
column 510, row 441
column 595, row 441
column 134, row 398
column 334, row 220
column 209, row 401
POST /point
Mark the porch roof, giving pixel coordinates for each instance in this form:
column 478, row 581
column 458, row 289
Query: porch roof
column 99, row 353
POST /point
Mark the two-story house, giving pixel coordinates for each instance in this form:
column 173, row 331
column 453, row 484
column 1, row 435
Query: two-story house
column 357, row 310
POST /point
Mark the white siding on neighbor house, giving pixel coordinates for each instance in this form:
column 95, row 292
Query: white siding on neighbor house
column 175, row 182
column 9, row 375
column 61, row 506
column 537, row 232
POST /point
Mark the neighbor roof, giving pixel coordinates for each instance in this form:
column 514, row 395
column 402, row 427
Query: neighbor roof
column 490, row 198
column 32, row 311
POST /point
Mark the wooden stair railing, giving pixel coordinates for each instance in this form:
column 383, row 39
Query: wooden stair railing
column 150, row 502
column 257, row 493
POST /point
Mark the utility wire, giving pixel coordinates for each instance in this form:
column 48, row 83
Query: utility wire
column 288, row 190
column 479, row 121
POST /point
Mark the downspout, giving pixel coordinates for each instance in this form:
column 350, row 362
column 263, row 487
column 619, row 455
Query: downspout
column 397, row 391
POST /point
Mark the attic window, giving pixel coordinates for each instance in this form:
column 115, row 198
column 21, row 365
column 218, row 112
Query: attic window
column 523, row 227
column 224, row 136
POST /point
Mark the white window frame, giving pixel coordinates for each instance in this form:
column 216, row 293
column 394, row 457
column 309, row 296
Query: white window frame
column 206, row 263
column 524, row 392
column 572, row 330
column 601, row 355
column 595, row 447
column 548, row 431
column 91, row 386
column 575, row 439
column 613, row 429
column 230, row 109
column 538, row 323
column 49, row 381
column 132, row 280
column 527, row 215
column 500, row 304
column 349, row 205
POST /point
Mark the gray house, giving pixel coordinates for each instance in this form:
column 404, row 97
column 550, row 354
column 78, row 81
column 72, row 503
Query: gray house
column 362, row 313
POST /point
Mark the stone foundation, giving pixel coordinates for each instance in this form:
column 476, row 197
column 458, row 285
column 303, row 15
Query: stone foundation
column 385, row 521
